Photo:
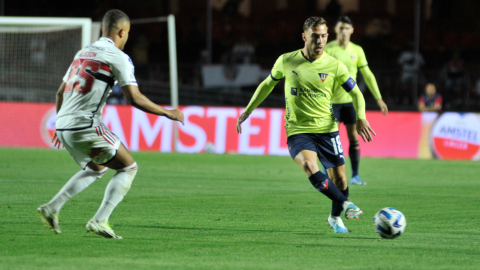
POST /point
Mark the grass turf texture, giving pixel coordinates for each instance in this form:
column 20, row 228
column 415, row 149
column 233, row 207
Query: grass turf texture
column 188, row 211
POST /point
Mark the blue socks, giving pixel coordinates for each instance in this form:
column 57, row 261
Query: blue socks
column 337, row 207
column 354, row 153
column 325, row 185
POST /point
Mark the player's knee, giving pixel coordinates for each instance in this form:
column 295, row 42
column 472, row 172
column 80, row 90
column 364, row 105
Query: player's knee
column 128, row 175
column 309, row 166
column 341, row 182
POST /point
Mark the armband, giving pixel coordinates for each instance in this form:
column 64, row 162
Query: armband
column 349, row 84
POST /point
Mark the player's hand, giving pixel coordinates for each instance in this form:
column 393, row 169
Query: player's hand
column 383, row 106
column 176, row 115
column 240, row 120
column 56, row 142
column 364, row 130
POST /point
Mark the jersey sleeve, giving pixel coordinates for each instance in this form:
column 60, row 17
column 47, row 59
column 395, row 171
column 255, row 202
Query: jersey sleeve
column 124, row 70
column 421, row 100
column 439, row 101
column 67, row 74
column 362, row 59
column 277, row 70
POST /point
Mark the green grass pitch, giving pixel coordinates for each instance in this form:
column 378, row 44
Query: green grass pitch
column 203, row 211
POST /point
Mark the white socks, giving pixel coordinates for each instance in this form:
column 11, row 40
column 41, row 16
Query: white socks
column 116, row 190
column 75, row 185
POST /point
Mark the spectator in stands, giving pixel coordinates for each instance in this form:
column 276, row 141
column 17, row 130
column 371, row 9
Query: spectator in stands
column 431, row 101
column 243, row 51
column 411, row 64
column 455, row 70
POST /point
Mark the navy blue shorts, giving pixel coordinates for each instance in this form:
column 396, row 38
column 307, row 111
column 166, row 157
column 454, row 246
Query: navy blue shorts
column 327, row 146
column 345, row 113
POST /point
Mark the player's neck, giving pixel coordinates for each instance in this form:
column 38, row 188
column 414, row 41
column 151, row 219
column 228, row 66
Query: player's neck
column 343, row 43
column 115, row 40
column 309, row 57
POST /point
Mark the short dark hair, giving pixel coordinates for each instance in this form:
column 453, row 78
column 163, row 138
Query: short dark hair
column 344, row 19
column 313, row 21
column 112, row 19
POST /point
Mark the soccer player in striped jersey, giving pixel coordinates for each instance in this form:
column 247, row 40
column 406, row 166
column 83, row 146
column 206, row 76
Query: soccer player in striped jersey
column 310, row 76
column 354, row 58
column 80, row 100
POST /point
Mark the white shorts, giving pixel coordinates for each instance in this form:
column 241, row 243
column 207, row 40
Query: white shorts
column 97, row 144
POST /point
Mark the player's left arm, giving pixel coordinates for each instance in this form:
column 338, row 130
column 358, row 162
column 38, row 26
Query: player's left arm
column 363, row 127
column 350, row 86
column 370, row 80
column 373, row 87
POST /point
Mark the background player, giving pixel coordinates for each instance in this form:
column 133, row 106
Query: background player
column 431, row 101
column 354, row 58
column 311, row 128
column 80, row 101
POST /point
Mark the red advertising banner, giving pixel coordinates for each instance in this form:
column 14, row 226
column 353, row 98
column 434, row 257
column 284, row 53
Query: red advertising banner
column 212, row 129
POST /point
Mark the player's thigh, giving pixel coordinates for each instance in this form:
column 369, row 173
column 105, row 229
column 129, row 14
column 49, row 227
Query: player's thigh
column 329, row 149
column 302, row 148
column 121, row 160
column 337, row 112
column 348, row 114
column 338, row 176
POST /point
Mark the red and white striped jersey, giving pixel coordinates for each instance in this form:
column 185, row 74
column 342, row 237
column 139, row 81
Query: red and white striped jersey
column 89, row 80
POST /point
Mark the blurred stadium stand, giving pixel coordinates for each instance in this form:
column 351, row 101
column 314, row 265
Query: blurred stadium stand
column 382, row 28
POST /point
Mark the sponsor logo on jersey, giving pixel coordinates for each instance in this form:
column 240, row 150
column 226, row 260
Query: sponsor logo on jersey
column 456, row 136
column 315, row 93
column 323, row 76
column 87, row 54
column 295, row 72
column 293, row 91
column 47, row 126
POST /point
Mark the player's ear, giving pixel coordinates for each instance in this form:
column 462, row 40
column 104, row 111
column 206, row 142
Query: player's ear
column 121, row 32
column 304, row 36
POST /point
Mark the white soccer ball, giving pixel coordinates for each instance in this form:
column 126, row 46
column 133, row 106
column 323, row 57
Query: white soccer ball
column 389, row 223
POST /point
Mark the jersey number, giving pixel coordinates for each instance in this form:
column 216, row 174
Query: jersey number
column 337, row 145
column 84, row 81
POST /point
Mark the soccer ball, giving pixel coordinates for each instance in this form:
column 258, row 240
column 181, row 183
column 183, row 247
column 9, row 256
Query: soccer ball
column 389, row 223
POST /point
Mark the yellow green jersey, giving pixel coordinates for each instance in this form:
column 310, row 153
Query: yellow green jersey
column 354, row 58
column 309, row 87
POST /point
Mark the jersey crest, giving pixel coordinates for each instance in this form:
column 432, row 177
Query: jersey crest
column 323, row 76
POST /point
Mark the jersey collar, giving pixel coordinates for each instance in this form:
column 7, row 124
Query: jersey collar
column 107, row 40
column 304, row 57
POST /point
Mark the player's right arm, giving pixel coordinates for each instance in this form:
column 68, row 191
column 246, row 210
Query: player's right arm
column 138, row 100
column 123, row 69
column 58, row 104
column 263, row 90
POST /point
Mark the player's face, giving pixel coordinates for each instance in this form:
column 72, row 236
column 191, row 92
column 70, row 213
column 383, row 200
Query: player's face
column 315, row 39
column 343, row 31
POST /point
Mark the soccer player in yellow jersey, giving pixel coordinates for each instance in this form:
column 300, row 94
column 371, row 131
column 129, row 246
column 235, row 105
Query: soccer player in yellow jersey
column 354, row 58
column 310, row 77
